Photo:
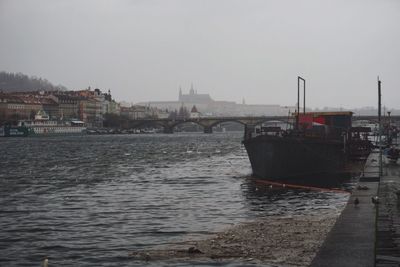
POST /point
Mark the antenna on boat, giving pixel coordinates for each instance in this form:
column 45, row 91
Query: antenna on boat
column 298, row 99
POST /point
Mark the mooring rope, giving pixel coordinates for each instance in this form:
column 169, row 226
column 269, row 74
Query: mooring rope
column 295, row 186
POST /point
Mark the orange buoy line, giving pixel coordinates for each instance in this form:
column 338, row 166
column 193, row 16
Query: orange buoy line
column 300, row 186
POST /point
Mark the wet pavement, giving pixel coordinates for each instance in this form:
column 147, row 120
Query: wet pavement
column 388, row 221
column 351, row 242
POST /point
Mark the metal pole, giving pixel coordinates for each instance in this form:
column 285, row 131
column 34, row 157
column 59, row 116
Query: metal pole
column 298, row 94
column 298, row 103
column 380, row 127
column 389, row 131
column 304, row 108
column 298, row 99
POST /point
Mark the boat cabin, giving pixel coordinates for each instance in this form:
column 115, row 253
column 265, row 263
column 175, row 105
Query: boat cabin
column 328, row 124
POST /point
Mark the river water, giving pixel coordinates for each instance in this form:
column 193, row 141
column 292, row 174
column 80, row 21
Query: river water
column 91, row 200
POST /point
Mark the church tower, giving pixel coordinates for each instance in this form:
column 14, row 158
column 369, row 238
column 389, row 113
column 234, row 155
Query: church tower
column 191, row 92
column 180, row 94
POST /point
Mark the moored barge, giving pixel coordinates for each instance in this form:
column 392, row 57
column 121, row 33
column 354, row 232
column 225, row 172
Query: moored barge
column 316, row 151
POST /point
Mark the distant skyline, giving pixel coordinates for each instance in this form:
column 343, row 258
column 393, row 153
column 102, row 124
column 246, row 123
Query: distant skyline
column 144, row 50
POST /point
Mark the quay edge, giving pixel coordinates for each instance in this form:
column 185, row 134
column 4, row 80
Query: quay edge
column 367, row 234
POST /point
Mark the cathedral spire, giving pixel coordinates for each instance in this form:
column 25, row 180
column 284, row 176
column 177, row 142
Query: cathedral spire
column 180, row 93
column 191, row 90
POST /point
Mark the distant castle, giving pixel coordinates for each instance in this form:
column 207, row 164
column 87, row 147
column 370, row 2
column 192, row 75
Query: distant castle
column 204, row 105
column 194, row 97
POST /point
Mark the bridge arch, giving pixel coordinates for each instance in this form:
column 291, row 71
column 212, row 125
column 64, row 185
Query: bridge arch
column 211, row 125
column 187, row 122
column 143, row 124
column 216, row 123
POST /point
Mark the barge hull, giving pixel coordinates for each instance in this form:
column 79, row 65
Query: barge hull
column 295, row 160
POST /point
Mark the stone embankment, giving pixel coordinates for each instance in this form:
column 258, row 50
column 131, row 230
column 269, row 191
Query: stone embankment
column 388, row 221
column 367, row 232
column 288, row 241
column 351, row 242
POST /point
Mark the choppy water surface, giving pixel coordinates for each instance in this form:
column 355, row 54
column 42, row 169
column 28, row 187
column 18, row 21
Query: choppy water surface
column 90, row 200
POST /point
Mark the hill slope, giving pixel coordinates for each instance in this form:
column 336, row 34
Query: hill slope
column 18, row 82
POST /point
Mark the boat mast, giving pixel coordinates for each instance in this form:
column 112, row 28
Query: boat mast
column 298, row 99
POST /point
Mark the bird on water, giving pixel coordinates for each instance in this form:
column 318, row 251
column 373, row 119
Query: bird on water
column 375, row 199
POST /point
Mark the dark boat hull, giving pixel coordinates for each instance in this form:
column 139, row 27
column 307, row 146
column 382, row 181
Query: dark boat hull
column 14, row 131
column 298, row 160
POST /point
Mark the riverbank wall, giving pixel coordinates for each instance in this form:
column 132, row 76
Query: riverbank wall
column 367, row 233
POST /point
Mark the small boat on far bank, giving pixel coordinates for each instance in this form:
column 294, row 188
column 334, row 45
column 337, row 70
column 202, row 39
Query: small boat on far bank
column 13, row 131
column 41, row 128
column 42, row 125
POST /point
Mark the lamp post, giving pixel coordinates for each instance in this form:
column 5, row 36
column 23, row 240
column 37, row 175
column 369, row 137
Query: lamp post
column 380, row 127
column 389, row 131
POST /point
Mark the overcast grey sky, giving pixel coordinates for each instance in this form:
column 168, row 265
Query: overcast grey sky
column 145, row 49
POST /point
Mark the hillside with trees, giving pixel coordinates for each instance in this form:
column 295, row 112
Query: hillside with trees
column 18, row 82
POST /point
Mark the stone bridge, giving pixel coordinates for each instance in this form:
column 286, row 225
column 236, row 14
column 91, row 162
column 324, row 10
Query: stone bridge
column 209, row 122
column 206, row 122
